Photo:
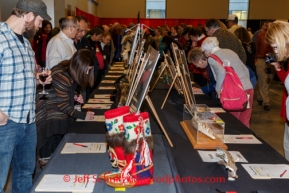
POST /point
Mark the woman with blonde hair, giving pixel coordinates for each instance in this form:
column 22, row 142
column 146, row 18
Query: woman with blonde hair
column 278, row 37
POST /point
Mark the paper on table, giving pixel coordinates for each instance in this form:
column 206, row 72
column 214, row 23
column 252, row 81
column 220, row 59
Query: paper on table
column 99, row 101
column 96, row 118
column 217, row 110
column 96, row 106
column 210, row 156
column 267, row 171
column 66, row 183
column 115, row 71
column 241, row 139
column 102, row 96
column 197, row 90
column 71, row 148
column 112, row 76
column 106, row 88
column 107, row 81
column 116, row 68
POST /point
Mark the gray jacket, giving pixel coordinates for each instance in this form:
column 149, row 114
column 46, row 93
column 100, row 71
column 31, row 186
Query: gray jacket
column 219, row 72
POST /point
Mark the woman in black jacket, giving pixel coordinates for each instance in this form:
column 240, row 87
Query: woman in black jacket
column 168, row 40
column 40, row 42
column 94, row 37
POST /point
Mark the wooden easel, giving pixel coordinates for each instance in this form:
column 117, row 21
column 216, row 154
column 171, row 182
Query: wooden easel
column 138, row 72
column 183, row 89
column 182, row 75
column 158, row 119
column 133, row 67
column 166, row 66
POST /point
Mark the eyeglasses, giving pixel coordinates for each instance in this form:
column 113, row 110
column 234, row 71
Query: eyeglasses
column 81, row 30
column 275, row 47
column 76, row 27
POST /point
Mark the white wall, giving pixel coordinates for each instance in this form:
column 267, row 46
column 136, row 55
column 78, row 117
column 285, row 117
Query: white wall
column 50, row 10
column 59, row 11
column 0, row 13
column 6, row 8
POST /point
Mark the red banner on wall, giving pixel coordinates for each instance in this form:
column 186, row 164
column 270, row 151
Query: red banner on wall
column 93, row 20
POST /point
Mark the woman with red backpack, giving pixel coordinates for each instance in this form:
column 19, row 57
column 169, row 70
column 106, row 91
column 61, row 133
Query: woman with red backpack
column 219, row 59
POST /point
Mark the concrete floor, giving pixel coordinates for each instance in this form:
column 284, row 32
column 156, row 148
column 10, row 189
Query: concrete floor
column 266, row 124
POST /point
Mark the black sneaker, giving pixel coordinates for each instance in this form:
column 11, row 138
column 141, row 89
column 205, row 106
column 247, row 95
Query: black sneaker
column 260, row 102
column 267, row 107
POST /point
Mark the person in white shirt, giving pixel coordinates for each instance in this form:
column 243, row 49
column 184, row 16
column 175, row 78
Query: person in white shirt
column 232, row 23
column 61, row 47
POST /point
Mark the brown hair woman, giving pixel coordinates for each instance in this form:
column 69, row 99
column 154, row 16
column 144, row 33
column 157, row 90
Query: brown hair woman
column 55, row 115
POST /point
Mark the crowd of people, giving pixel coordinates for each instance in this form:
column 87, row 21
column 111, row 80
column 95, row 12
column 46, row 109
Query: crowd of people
column 76, row 57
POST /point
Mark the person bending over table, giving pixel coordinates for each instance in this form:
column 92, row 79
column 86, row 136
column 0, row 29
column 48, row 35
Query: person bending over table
column 54, row 115
column 278, row 38
column 211, row 46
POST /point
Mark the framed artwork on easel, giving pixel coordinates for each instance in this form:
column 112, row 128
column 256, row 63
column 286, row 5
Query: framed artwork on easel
column 141, row 87
column 177, row 84
column 138, row 74
column 135, row 65
column 135, row 42
column 187, row 78
column 179, row 76
column 165, row 70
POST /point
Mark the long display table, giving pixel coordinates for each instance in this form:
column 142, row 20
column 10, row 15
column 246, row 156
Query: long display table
column 189, row 172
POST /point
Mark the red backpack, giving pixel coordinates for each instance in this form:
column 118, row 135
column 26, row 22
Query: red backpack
column 232, row 96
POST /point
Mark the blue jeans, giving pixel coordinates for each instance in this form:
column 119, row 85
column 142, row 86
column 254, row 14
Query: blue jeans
column 18, row 147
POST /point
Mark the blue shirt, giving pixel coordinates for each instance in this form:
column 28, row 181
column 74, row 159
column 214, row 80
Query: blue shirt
column 210, row 87
column 17, row 80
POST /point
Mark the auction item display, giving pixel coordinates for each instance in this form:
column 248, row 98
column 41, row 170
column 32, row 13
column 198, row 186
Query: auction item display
column 115, row 138
column 228, row 162
column 203, row 127
column 131, row 148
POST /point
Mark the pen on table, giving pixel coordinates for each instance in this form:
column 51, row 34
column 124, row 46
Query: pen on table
column 86, row 183
column 281, row 175
column 244, row 137
column 77, row 144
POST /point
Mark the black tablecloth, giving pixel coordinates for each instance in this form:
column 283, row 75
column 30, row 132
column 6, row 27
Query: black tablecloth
column 199, row 176
column 98, row 163
column 190, row 164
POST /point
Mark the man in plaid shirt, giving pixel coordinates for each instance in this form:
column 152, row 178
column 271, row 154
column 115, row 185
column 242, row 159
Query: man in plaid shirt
column 17, row 99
